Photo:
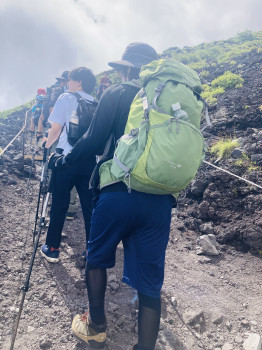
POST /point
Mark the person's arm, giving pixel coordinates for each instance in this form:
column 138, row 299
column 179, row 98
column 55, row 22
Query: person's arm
column 57, row 119
column 53, row 134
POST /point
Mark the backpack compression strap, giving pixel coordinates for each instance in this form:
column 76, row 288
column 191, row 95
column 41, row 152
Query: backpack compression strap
column 154, row 105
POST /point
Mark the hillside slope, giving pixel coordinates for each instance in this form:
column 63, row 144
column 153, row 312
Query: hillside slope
column 209, row 302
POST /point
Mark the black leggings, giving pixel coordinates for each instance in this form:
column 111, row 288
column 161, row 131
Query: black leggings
column 149, row 308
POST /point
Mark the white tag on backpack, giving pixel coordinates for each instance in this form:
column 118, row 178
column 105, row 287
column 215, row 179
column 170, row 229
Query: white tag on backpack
column 145, row 103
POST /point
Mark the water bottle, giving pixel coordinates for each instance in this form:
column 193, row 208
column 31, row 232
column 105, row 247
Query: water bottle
column 179, row 113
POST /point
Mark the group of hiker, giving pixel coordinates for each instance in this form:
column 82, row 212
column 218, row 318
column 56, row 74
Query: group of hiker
column 46, row 99
column 113, row 210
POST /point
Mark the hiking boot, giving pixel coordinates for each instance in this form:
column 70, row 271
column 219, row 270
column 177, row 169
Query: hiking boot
column 70, row 216
column 50, row 254
column 89, row 333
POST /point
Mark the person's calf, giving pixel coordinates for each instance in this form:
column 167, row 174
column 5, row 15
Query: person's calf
column 96, row 280
column 148, row 321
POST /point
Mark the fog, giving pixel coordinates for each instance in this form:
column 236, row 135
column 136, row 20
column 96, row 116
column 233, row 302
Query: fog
column 39, row 40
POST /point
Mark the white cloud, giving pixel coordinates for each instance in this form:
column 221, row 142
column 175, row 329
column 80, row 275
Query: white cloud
column 39, row 40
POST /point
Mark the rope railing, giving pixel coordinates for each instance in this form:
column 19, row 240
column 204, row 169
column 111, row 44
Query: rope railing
column 17, row 135
column 228, row 172
column 208, row 163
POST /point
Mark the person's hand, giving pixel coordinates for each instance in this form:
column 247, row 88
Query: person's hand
column 56, row 161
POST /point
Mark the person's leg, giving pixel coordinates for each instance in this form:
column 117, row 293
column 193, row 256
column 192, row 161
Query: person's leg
column 148, row 321
column 110, row 220
column 86, row 201
column 144, row 261
column 105, row 233
column 109, row 223
column 72, row 205
column 62, row 185
column 96, row 280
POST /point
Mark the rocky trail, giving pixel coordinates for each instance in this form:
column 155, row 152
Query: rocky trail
column 210, row 302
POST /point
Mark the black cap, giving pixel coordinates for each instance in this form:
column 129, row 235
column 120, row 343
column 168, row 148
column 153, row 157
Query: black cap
column 136, row 55
column 64, row 76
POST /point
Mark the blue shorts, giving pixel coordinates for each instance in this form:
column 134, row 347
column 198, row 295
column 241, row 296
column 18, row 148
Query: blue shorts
column 142, row 222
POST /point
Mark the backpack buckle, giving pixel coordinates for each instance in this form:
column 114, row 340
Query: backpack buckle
column 142, row 93
column 134, row 132
column 160, row 87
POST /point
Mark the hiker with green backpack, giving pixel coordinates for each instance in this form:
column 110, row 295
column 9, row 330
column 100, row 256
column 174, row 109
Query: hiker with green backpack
column 147, row 130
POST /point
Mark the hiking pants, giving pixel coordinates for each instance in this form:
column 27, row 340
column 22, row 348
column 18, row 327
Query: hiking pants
column 73, row 201
column 63, row 180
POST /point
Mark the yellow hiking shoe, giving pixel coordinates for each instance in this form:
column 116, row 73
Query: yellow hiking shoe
column 87, row 332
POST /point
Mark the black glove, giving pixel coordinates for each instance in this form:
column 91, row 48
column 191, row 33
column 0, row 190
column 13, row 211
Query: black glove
column 57, row 161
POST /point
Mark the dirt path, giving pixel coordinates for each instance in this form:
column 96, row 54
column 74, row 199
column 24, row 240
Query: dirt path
column 207, row 301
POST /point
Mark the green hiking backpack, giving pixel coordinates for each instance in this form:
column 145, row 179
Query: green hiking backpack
column 162, row 147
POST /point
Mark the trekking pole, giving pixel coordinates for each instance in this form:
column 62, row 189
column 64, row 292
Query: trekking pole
column 43, row 181
column 25, row 135
column 32, row 162
column 26, row 285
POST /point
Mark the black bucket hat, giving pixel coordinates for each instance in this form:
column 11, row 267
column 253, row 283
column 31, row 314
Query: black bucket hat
column 64, row 76
column 135, row 56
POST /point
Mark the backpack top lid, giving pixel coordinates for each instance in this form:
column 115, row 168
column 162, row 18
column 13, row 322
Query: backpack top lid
column 169, row 69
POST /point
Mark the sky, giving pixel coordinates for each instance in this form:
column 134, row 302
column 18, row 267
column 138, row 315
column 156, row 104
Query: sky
column 41, row 39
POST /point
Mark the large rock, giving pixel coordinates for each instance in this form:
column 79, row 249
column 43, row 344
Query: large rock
column 207, row 244
column 29, row 171
column 203, row 209
column 237, row 153
column 195, row 319
column 198, row 187
column 207, row 228
column 19, row 159
column 253, row 342
column 256, row 157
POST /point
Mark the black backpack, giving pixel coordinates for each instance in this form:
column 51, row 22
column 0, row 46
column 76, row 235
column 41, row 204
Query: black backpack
column 81, row 120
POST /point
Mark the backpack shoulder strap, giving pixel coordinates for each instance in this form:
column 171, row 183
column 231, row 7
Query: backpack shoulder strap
column 76, row 94
column 79, row 97
column 134, row 83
